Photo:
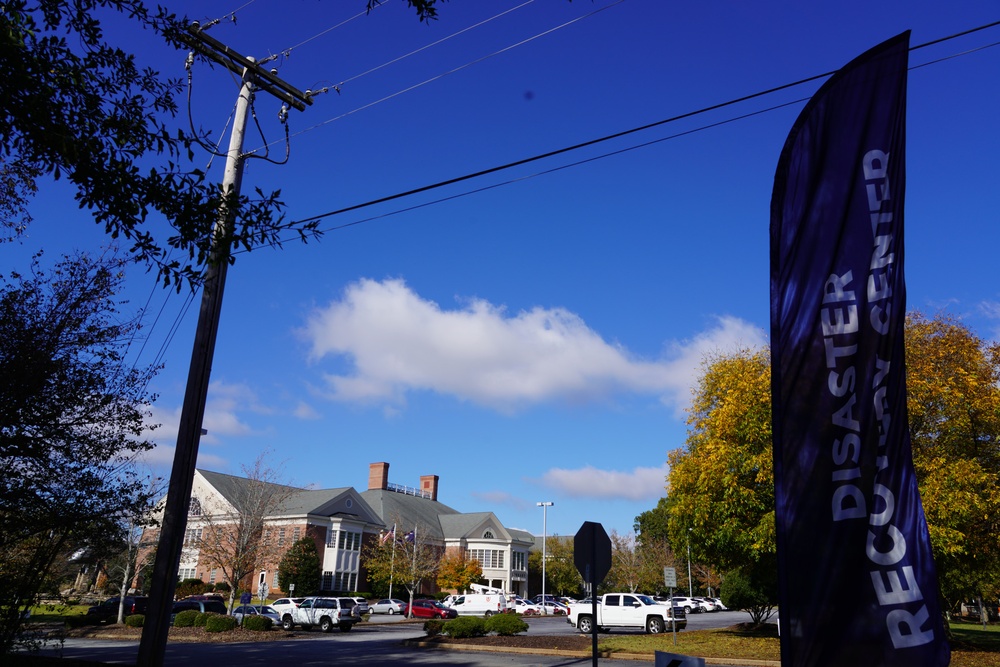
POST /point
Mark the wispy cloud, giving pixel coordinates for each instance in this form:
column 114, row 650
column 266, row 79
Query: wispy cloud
column 594, row 483
column 398, row 342
column 502, row 498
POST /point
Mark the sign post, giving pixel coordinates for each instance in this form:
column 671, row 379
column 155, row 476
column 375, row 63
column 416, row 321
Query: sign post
column 592, row 557
column 670, row 581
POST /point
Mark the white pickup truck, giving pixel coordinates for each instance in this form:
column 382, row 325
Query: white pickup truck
column 625, row 610
column 324, row 612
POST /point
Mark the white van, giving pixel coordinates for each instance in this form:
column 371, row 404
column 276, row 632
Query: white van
column 478, row 604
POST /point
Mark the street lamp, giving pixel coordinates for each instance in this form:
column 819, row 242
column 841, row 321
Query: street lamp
column 545, row 506
column 690, row 584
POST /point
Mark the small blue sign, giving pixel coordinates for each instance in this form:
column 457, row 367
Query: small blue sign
column 245, row 598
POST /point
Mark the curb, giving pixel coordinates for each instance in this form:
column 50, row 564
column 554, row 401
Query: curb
column 607, row 655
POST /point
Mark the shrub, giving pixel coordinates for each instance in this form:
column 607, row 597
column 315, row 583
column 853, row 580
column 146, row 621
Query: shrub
column 223, row 587
column 202, row 618
column 433, row 627
column 219, row 623
column 81, row 621
column 135, row 620
column 465, row 626
column 186, row 618
column 506, row 624
column 257, row 623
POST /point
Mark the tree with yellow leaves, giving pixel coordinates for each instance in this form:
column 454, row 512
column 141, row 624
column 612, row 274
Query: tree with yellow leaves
column 456, row 571
column 720, row 490
column 953, row 392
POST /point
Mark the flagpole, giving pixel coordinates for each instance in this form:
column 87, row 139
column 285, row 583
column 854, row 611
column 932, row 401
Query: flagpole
column 392, row 559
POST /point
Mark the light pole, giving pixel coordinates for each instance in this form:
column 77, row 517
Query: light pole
column 545, row 506
column 690, row 584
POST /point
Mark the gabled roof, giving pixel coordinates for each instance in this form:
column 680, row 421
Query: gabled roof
column 456, row 526
column 408, row 511
column 232, row 488
column 296, row 501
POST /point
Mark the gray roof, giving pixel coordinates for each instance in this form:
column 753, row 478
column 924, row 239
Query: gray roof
column 408, row 511
column 295, row 501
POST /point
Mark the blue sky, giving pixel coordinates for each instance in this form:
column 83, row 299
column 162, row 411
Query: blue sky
column 537, row 340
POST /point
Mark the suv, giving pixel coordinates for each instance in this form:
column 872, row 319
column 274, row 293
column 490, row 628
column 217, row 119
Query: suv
column 281, row 605
column 108, row 610
column 324, row 612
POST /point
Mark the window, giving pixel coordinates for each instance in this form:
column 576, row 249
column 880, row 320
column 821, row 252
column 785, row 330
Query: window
column 345, row 581
column 211, row 576
column 518, row 558
column 492, row 558
column 327, row 581
column 296, row 534
column 611, row 601
column 192, row 536
column 186, row 573
column 488, row 535
column 349, row 541
column 274, row 585
column 281, row 537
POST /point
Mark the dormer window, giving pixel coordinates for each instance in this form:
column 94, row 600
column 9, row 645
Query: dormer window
column 488, row 535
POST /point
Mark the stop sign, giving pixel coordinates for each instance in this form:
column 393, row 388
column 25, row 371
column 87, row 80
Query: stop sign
column 592, row 552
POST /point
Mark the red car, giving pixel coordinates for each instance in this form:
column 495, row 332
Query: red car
column 428, row 609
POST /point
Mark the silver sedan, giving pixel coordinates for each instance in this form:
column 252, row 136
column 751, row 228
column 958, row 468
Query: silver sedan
column 387, row 606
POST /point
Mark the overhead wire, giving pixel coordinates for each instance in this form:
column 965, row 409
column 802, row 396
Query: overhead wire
column 436, row 42
column 552, row 170
column 459, row 68
column 624, row 133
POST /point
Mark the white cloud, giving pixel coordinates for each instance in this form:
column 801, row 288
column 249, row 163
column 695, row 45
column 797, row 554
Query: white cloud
column 305, row 411
column 991, row 311
column 222, row 415
column 591, row 482
column 398, row 342
column 503, row 498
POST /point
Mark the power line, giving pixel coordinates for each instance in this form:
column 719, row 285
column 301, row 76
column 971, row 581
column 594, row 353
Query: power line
column 436, row 42
column 616, row 135
column 456, row 69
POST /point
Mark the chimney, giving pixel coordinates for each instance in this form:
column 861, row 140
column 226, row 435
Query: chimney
column 378, row 476
column 429, row 483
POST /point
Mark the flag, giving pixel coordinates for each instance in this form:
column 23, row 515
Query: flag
column 856, row 580
column 388, row 536
column 410, row 536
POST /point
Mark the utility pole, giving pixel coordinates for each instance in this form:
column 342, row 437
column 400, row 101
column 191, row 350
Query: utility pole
column 168, row 553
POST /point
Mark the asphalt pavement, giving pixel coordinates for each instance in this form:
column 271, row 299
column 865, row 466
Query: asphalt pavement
column 376, row 643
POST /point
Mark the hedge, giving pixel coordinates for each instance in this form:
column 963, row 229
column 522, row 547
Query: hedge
column 465, row 626
column 186, row 618
column 506, row 624
column 135, row 620
column 219, row 623
column 257, row 623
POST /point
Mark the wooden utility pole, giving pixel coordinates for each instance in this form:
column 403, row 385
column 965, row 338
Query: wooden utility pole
column 168, row 552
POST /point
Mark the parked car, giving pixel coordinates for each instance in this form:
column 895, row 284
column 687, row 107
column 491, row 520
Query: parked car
column 206, row 606
column 525, row 608
column 363, row 607
column 108, row 610
column 283, row 605
column 718, row 604
column 690, row 605
column 388, row 606
column 256, row 610
column 707, row 604
column 429, row 609
column 323, row 612
column 538, row 598
column 553, row 608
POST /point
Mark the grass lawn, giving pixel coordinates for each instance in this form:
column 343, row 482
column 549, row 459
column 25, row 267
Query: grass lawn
column 971, row 647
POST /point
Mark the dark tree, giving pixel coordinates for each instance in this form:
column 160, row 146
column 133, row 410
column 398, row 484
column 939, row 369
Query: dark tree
column 300, row 566
column 72, row 415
